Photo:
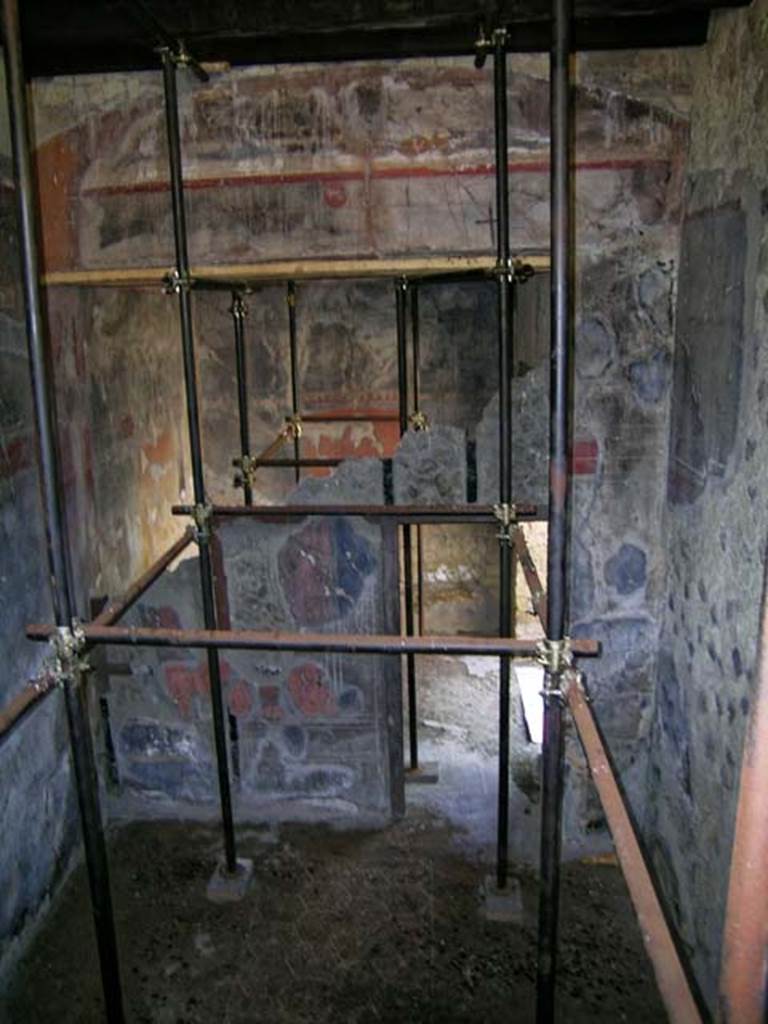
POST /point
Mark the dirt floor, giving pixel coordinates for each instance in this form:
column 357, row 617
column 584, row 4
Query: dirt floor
column 338, row 927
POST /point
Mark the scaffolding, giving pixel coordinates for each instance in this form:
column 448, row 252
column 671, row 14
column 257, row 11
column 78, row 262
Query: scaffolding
column 563, row 682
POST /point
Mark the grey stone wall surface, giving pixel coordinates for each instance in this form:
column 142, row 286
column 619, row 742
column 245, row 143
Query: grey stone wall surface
column 319, row 736
column 530, row 442
column 381, row 160
column 624, row 334
column 360, row 160
column 715, row 524
column 415, row 156
column 430, row 467
column 37, row 805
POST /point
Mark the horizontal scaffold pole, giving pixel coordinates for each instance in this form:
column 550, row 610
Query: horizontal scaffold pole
column 117, row 608
column 399, row 513
column 224, row 277
column 340, row 643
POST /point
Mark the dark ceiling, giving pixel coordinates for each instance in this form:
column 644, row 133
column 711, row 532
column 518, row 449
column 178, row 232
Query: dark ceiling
column 99, row 35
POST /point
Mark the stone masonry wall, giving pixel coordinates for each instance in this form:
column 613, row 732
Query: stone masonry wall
column 311, row 735
column 367, row 160
column 716, row 525
column 37, row 802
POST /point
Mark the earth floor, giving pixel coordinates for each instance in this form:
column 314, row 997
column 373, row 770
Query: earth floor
column 338, row 926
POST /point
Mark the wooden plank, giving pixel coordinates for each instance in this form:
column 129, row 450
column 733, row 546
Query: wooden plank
column 668, row 967
column 745, row 933
column 131, row 277
column 285, row 270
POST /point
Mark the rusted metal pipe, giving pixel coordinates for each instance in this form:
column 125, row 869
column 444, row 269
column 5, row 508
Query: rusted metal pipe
column 18, row 706
column 671, row 978
column 273, row 447
column 319, row 463
column 402, row 513
column 744, row 970
column 350, row 417
column 532, row 578
column 110, row 614
column 41, row 687
column 342, row 643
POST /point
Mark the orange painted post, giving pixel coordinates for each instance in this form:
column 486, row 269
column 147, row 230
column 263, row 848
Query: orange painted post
column 745, row 937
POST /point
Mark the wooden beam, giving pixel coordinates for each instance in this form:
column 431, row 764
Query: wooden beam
column 285, row 270
column 92, row 40
column 745, row 932
column 671, row 976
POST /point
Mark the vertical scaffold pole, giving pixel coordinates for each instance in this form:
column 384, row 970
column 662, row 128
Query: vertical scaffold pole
column 294, row 366
column 552, row 748
column 416, row 354
column 193, row 419
column 505, row 312
column 401, row 297
column 239, row 311
column 62, row 590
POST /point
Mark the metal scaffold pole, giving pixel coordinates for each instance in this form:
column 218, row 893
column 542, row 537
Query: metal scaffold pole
column 239, row 311
column 416, row 356
column 67, row 643
column 293, row 339
column 401, row 295
column 505, row 508
column 556, row 646
column 203, row 516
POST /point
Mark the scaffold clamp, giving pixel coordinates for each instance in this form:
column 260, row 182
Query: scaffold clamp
column 202, row 514
column 239, row 307
column 66, row 659
column 557, row 659
column 174, row 282
column 418, row 420
column 182, row 57
column 483, row 44
column 516, row 270
column 247, row 465
column 555, row 656
column 178, row 53
column 294, row 428
column 507, row 517
column 521, row 270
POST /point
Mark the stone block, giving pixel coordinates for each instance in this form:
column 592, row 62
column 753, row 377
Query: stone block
column 230, row 887
column 530, row 442
column 504, row 906
column 312, row 730
column 430, row 467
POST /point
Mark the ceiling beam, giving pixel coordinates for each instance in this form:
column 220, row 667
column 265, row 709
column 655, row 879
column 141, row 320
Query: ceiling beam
column 627, row 32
